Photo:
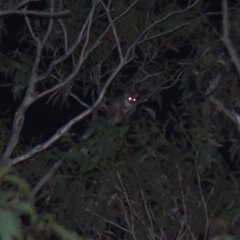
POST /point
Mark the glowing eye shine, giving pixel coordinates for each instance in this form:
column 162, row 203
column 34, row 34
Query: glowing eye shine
column 131, row 99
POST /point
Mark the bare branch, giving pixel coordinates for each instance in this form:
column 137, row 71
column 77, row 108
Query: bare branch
column 31, row 30
column 140, row 39
column 161, row 34
column 36, row 13
column 225, row 38
column 64, row 35
column 79, row 100
column 148, row 13
column 114, row 31
column 50, row 25
column 44, row 180
column 30, row 96
column 110, row 222
column 66, row 127
column 69, row 52
column 27, row 101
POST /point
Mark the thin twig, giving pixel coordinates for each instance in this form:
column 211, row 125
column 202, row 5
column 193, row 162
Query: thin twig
column 44, row 180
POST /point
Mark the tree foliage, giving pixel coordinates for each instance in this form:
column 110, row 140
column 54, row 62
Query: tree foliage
column 170, row 171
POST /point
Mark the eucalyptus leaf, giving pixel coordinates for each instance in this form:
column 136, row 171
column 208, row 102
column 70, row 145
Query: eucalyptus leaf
column 10, row 226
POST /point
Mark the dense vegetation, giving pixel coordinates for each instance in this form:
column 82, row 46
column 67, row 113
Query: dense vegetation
column 170, row 171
